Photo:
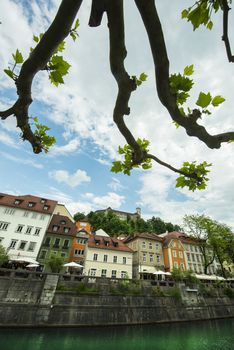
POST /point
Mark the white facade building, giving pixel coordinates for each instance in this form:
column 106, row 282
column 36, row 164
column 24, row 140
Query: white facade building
column 107, row 257
column 23, row 223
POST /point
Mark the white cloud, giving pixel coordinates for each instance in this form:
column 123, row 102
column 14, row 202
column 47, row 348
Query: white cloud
column 67, row 149
column 8, row 140
column 115, row 185
column 72, row 180
column 21, row 160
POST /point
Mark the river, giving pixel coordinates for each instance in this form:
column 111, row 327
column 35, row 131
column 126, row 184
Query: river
column 205, row 335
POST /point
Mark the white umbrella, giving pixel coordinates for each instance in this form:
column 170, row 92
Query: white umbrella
column 159, row 272
column 73, row 264
column 26, row 260
column 32, row 265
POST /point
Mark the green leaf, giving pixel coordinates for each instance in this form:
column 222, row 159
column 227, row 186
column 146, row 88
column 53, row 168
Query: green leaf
column 188, row 70
column 35, row 38
column 210, row 25
column 9, row 73
column 73, row 35
column 56, row 78
column 182, row 97
column 217, row 100
column 116, row 167
column 77, row 23
column 143, row 77
column 60, row 64
column 184, row 13
column 18, row 57
column 204, row 99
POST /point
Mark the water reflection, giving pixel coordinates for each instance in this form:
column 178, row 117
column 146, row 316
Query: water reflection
column 206, row 335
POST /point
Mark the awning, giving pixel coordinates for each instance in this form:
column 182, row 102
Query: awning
column 146, row 269
column 21, row 259
column 73, row 264
column 162, row 273
column 209, row 277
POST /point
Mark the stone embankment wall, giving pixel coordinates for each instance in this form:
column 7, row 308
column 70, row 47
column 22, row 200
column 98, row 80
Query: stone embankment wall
column 33, row 301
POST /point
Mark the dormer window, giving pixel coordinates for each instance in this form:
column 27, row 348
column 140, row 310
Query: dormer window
column 43, row 200
column 115, row 244
column 97, row 242
column 63, row 222
column 107, row 243
column 66, row 229
column 31, row 204
column 17, row 201
column 55, row 228
column 46, row 207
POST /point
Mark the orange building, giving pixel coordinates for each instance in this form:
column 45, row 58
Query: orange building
column 173, row 251
column 79, row 244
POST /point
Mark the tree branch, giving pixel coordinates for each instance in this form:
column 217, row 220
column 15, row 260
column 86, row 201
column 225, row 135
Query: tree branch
column 157, row 160
column 225, row 37
column 126, row 85
column 37, row 61
column 153, row 27
column 97, row 10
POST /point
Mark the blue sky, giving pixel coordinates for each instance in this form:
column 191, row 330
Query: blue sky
column 76, row 171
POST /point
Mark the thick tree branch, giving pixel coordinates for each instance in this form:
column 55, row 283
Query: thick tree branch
column 225, row 37
column 153, row 27
column 97, row 10
column 37, row 60
column 126, row 85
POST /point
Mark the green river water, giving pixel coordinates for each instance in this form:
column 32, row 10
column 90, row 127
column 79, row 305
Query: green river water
column 205, row 335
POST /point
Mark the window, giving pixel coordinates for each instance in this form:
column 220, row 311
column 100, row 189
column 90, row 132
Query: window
column 63, row 255
column 29, row 230
column 123, row 274
column 158, row 258
column 95, row 256
column 47, row 241
column 43, row 200
column 191, row 248
column 55, row 228
column 181, row 255
column 9, row 211
column 93, row 272
column 43, row 254
column 56, row 243
column 66, row 243
column 42, row 217
column 143, row 245
column 26, row 214
column 124, row 260
column 193, row 257
column 151, row 258
column 13, row 244
column 37, row 231
column 63, row 222
column 157, row 246
column 182, row 266
column 144, row 257
column 175, row 265
column 188, row 256
column 150, row 245
column 31, row 204
column 19, row 228
column 115, row 259
column 113, row 273
column 17, row 201
column 34, row 215
column 105, row 258
column 4, row 225
column 78, row 252
column 46, row 207
column 22, row 245
column 103, row 274
column 66, row 229
column 174, row 254
column 198, row 258
column 31, row 246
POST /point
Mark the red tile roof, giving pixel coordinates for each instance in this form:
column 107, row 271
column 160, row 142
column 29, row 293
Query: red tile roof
column 109, row 243
column 62, row 222
column 146, row 235
column 180, row 236
column 38, row 204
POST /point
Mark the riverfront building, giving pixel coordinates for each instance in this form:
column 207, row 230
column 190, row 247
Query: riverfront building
column 107, row 257
column 148, row 254
column 23, row 223
column 58, row 240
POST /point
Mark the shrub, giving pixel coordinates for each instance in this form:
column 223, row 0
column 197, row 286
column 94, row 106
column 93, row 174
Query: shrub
column 175, row 293
column 229, row 292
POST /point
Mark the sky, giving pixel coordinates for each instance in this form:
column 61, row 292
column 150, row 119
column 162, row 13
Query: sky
column 76, row 171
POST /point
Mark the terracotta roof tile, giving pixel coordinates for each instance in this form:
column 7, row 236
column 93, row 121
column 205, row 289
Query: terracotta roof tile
column 62, row 223
column 100, row 242
column 28, row 202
